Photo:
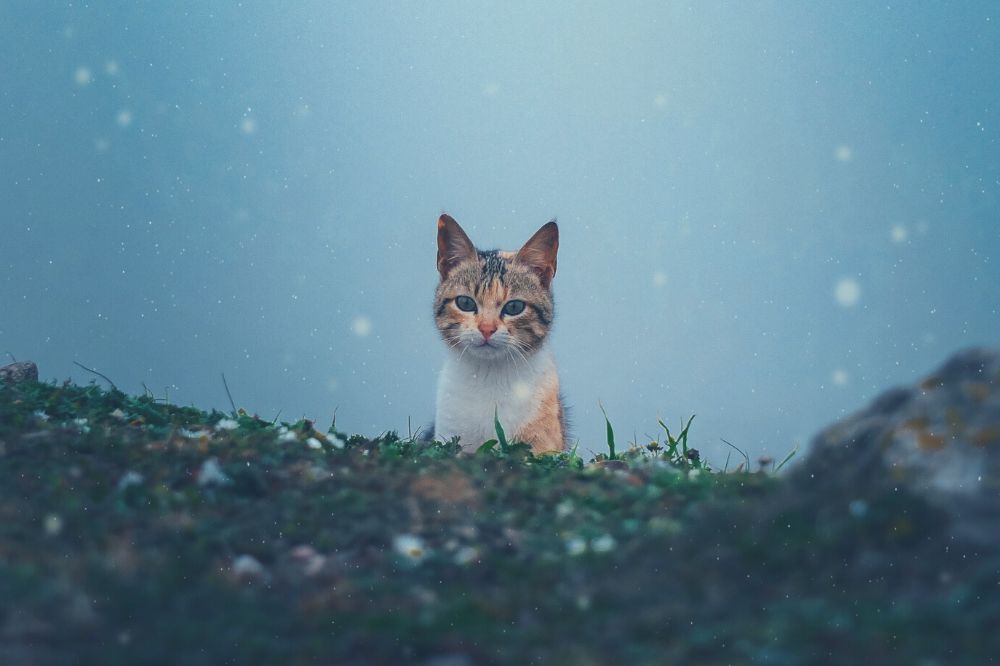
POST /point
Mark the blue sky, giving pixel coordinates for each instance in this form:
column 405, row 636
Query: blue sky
column 768, row 213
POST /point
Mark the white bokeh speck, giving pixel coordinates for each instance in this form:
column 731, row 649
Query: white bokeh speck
column 847, row 292
column 361, row 326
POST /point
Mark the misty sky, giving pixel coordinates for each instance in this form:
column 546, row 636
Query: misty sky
column 769, row 213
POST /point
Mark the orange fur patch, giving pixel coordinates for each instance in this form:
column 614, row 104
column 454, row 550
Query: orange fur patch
column 545, row 432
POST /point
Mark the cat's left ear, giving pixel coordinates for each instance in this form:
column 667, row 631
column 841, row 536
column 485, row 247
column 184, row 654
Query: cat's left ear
column 539, row 253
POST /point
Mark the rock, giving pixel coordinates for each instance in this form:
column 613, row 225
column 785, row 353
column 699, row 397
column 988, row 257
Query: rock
column 15, row 373
column 938, row 439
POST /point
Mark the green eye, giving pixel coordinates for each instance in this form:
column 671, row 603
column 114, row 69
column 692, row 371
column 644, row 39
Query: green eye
column 465, row 304
column 513, row 308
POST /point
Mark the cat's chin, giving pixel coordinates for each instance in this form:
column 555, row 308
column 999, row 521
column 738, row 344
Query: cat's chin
column 487, row 352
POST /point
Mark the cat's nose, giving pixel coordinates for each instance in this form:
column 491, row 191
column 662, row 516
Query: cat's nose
column 487, row 329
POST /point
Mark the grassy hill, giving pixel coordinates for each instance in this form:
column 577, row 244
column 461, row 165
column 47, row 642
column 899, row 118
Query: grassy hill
column 133, row 531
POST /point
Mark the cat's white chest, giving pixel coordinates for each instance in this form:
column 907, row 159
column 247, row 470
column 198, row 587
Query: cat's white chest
column 471, row 391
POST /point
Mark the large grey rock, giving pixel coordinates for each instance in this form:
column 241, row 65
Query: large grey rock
column 939, row 439
column 19, row 372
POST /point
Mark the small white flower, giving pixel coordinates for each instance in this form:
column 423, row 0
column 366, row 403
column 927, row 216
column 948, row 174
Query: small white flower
column 466, row 555
column 603, row 544
column 564, row 508
column 82, row 425
column 53, row 524
column 211, row 474
column 39, row 414
column 227, row 424
column 129, row 478
column 192, row 434
column 335, row 441
column 314, row 443
column 411, row 547
column 247, row 567
column 117, row 414
column 576, row 546
column 694, row 473
column 285, row 435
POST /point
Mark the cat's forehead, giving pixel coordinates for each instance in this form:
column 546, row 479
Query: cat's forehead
column 492, row 267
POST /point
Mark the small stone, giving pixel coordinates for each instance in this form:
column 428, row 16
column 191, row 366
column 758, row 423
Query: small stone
column 311, row 561
column 15, row 373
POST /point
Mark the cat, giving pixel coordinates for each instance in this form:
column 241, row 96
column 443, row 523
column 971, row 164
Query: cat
column 494, row 310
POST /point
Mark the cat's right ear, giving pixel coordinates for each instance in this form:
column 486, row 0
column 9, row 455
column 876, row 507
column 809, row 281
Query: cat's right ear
column 454, row 246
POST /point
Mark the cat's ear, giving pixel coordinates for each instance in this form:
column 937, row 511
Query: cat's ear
column 454, row 246
column 539, row 253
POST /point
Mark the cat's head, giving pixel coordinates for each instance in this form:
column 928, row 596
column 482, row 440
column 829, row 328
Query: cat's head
column 494, row 305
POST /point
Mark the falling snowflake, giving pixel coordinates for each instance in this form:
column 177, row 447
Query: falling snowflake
column 847, row 292
column 659, row 279
column 124, row 118
column 898, row 234
column 522, row 390
column 843, row 153
column 83, row 76
column 361, row 326
column 839, row 377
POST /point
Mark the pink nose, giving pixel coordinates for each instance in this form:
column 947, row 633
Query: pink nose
column 487, row 329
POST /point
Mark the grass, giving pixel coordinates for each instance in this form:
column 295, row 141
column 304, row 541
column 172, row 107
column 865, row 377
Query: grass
column 135, row 531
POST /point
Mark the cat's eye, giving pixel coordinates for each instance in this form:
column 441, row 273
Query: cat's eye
column 465, row 304
column 513, row 308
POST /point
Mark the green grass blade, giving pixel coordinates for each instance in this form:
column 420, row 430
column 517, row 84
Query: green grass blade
column 742, row 453
column 791, row 454
column 611, row 435
column 501, row 435
column 683, row 437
